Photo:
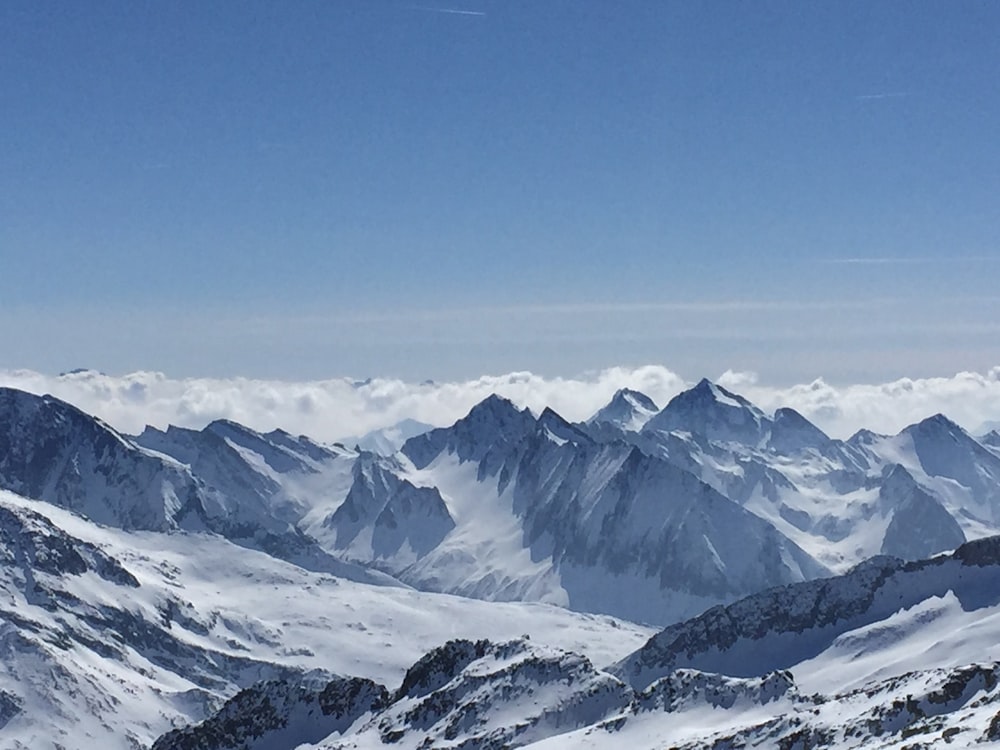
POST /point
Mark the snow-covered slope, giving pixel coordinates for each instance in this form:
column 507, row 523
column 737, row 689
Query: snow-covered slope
column 388, row 440
column 627, row 410
column 954, row 708
column 879, row 658
column 114, row 634
column 543, row 511
column 833, row 498
column 712, row 411
column 53, row 451
column 782, row 627
column 110, row 638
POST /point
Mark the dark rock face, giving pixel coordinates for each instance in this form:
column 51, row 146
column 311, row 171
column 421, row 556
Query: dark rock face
column 31, row 542
column 280, row 713
column 980, row 552
column 792, row 433
column 920, row 528
column 468, row 694
column 439, row 666
column 782, row 626
column 396, row 511
column 10, row 706
column 52, row 451
column 492, row 426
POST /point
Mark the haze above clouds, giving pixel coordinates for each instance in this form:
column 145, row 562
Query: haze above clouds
column 336, row 408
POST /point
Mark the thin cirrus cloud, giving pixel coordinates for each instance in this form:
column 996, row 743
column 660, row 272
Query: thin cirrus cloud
column 334, row 408
column 915, row 260
column 880, row 95
column 447, row 11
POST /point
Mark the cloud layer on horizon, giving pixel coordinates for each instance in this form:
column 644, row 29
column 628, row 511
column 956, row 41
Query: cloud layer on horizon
column 336, row 408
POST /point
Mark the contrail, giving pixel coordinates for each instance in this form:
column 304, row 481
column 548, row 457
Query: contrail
column 884, row 95
column 452, row 11
column 894, row 260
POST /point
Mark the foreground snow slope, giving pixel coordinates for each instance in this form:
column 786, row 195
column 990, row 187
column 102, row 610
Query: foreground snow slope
column 111, row 637
column 891, row 655
column 782, row 627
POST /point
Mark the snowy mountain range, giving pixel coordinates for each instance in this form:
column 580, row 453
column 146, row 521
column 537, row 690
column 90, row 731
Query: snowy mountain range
column 152, row 582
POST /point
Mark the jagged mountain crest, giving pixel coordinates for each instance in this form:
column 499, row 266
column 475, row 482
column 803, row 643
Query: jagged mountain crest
column 554, row 427
column 489, row 426
column 483, row 693
column 612, row 509
column 627, row 410
column 275, row 455
column 779, row 627
column 242, row 493
column 281, row 714
column 52, row 451
column 386, row 516
column 710, row 410
column 791, row 433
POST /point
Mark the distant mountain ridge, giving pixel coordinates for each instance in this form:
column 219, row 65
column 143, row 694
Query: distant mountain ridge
column 709, row 499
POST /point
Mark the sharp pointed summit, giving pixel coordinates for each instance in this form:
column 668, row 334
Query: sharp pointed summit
column 791, row 433
column 628, row 410
column 946, row 450
column 710, row 410
column 558, row 429
column 494, row 420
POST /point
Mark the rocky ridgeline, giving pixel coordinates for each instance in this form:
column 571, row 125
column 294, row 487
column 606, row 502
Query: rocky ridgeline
column 783, row 626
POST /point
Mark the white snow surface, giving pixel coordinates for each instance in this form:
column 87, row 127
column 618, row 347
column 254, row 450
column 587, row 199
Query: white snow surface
column 236, row 602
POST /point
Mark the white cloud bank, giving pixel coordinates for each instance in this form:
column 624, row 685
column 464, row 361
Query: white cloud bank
column 335, row 408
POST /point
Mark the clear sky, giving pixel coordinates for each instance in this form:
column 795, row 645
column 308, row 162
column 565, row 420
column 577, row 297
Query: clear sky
column 424, row 189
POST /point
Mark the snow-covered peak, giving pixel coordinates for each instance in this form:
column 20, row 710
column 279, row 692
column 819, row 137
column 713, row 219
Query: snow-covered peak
column 494, row 408
column 710, row 410
column 52, row 451
column 388, row 440
column 277, row 457
column 305, row 446
column 493, row 422
column 864, row 437
column 628, row 410
column 557, row 429
column 792, row 433
column 944, row 449
column 936, row 427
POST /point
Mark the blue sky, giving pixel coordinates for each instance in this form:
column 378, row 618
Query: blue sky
column 311, row 189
